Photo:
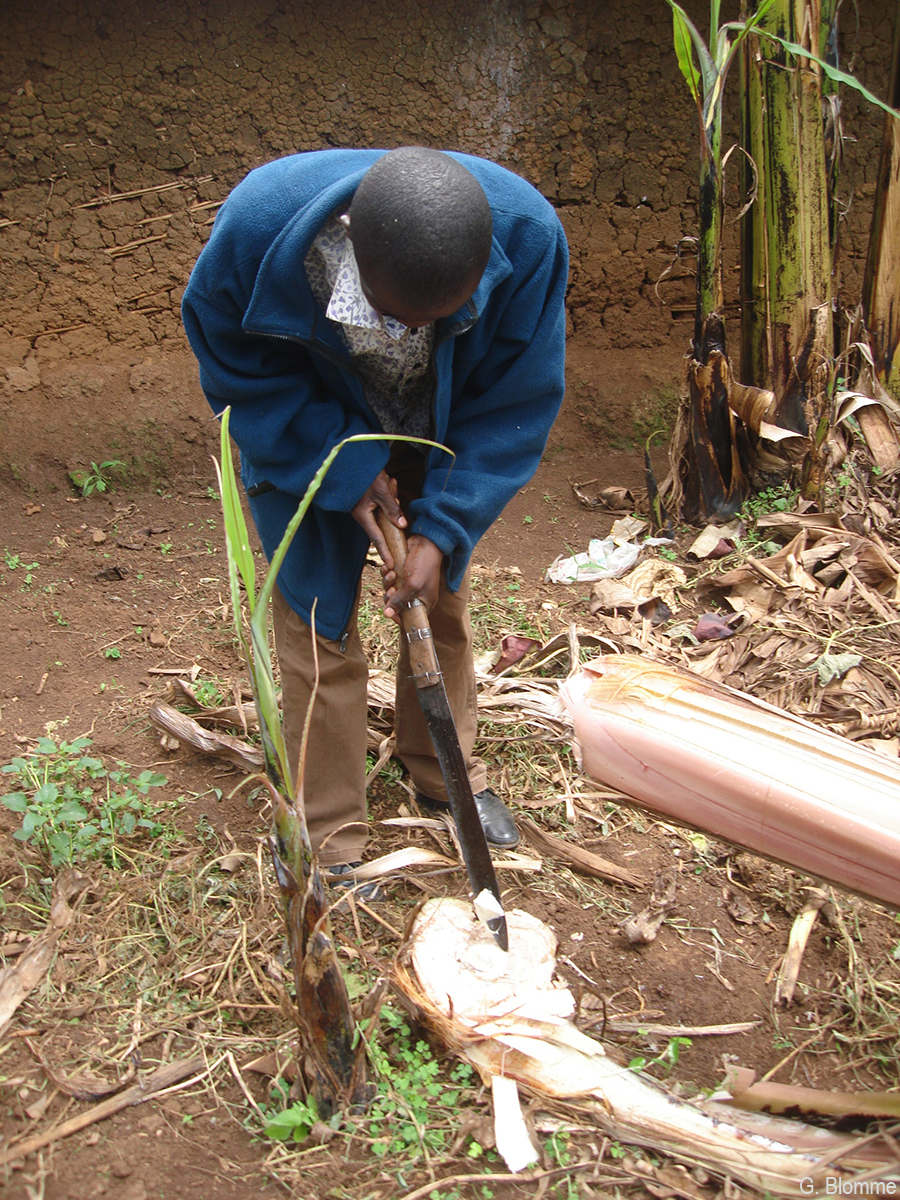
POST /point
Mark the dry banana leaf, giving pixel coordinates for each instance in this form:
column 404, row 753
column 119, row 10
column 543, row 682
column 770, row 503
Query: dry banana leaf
column 218, row 745
column 789, row 972
column 576, row 857
column 401, row 860
column 17, row 982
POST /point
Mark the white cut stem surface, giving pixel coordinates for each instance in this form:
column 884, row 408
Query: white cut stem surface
column 510, row 1131
column 506, row 1016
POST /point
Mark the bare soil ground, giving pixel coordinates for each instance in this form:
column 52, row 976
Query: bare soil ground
column 179, row 952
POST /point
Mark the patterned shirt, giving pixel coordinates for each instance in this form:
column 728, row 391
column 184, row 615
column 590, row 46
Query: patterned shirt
column 391, row 359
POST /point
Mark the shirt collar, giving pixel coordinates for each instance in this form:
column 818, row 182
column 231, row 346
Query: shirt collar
column 349, row 305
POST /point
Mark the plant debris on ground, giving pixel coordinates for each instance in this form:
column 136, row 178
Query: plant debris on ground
column 173, row 949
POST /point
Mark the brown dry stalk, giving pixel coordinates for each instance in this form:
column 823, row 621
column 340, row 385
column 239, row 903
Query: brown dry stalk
column 165, row 1077
column 147, row 191
column 789, row 1098
column 118, row 251
column 62, row 329
column 577, row 858
column 617, row 1026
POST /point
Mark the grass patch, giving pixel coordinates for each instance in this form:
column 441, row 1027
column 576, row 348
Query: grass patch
column 655, row 413
column 497, row 608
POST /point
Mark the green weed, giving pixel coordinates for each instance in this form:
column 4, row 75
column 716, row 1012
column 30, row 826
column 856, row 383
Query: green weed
column 778, row 499
column 405, row 1117
column 667, row 1059
column 98, row 478
column 14, row 563
column 210, row 693
column 391, row 772
column 415, row 1110
column 207, row 832
column 557, row 1146
column 294, row 1123
column 73, row 808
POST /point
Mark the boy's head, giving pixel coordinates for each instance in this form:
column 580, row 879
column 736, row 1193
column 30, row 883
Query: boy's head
column 421, row 230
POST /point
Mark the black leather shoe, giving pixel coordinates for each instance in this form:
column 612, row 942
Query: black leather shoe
column 343, row 877
column 496, row 819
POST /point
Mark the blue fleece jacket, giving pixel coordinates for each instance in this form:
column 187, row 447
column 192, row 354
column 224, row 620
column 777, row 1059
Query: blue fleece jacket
column 266, row 348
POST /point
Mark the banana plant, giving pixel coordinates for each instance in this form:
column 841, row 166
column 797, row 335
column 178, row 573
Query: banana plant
column 882, row 279
column 334, row 1057
column 705, row 76
column 710, row 448
column 705, row 69
column 786, row 255
column 791, row 129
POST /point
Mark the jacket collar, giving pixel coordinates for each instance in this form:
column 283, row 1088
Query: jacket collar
column 282, row 303
column 498, row 268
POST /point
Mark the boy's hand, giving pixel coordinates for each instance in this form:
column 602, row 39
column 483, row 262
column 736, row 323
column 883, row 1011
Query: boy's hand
column 381, row 494
column 419, row 579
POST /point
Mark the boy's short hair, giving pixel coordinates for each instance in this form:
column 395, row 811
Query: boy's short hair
column 421, row 225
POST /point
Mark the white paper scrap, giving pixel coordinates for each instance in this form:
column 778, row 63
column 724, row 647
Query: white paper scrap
column 604, row 559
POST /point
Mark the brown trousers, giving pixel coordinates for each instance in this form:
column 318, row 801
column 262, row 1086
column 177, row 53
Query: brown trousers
column 334, row 776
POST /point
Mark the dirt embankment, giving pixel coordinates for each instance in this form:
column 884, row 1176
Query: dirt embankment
column 123, row 128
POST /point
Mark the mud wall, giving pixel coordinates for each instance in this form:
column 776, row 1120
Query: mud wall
column 123, row 125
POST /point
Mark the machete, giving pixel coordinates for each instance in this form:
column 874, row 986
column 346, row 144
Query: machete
column 426, row 675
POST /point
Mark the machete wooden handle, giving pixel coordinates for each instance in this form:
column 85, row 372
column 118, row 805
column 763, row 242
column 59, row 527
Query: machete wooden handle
column 395, row 538
column 423, row 662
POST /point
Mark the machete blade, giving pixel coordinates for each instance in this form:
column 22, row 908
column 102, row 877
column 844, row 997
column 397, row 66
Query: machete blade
column 429, row 682
column 473, row 843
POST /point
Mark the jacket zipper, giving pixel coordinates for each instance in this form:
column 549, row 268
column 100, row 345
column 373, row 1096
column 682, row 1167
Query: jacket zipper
column 346, row 364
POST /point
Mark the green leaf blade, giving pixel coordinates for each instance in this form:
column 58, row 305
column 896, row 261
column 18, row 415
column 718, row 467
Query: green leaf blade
column 684, row 53
column 236, row 533
column 708, row 70
column 832, row 72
